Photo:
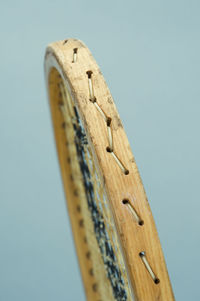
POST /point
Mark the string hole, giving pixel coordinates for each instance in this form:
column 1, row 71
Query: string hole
column 126, row 172
column 108, row 121
column 89, row 73
column 157, row 281
column 75, row 50
column 141, row 223
column 109, row 150
column 93, row 100
column 125, row 201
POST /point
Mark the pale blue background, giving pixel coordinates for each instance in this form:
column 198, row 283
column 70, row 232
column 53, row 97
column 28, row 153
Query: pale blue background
column 149, row 53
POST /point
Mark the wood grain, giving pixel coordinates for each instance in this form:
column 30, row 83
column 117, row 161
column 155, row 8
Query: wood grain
column 134, row 238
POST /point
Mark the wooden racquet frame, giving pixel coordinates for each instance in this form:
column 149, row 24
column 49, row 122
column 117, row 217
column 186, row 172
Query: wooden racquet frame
column 116, row 240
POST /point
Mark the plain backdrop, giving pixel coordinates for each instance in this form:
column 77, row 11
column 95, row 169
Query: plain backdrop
column 149, row 53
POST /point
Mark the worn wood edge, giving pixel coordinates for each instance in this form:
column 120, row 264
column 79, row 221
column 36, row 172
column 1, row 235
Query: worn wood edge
column 134, row 239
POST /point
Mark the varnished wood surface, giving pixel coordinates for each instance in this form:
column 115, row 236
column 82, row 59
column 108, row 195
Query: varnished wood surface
column 134, row 238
